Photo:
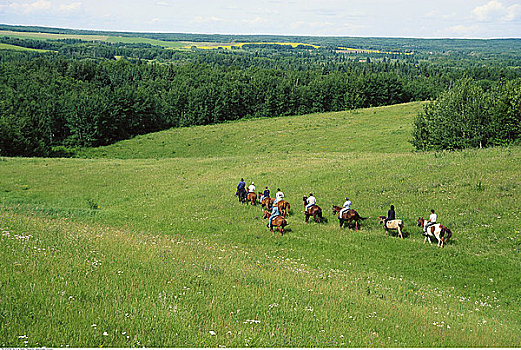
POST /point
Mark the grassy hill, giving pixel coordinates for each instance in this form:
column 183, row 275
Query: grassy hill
column 142, row 243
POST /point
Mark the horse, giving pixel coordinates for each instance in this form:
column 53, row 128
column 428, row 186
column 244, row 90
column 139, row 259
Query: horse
column 314, row 211
column 252, row 198
column 283, row 207
column 437, row 231
column 279, row 221
column 392, row 225
column 267, row 202
column 349, row 216
column 241, row 194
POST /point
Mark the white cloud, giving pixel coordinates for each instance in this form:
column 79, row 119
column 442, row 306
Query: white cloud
column 26, row 7
column 255, row 21
column 73, row 6
column 488, row 11
column 463, row 30
column 201, row 19
column 513, row 12
column 495, row 10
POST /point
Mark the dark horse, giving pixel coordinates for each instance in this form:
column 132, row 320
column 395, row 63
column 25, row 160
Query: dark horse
column 279, row 221
column 349, row 216
column 241, row 194
column 314, row 211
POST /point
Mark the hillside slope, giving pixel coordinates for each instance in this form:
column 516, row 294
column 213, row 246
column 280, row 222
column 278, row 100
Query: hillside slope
column 382, row 129
column 156, row 251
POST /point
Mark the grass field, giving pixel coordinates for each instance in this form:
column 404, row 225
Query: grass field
column 142, row 243
column 19, row 48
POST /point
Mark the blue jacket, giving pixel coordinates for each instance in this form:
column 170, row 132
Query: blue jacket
column 241, row 185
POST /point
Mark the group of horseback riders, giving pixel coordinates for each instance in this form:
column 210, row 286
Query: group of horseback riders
column 242, row 193
column 311, row 208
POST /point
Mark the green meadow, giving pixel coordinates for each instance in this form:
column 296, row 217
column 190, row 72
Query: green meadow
column 142, row 243
column 19, row 48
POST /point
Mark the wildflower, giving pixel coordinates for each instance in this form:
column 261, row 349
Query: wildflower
column 93, row 325
column 105, row 333
column 212, row 333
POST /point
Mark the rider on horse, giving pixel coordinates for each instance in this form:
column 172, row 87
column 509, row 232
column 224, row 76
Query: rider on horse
column 345, row 207
column 390, row 216
column 241, row 189
column 251, row 188
column 265, row 194
column 278, row 196
column 311, row 201
column 274, row 213
column 432, row 220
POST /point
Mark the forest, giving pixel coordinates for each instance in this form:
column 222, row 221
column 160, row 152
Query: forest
column 90, row 93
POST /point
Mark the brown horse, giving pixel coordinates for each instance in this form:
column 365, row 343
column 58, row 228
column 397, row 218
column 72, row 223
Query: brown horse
column 349, row 216
column 252, row 198
column 283, row 207
column 279, row 221
column 267, row 202
column 314, row 211
column 437, row 231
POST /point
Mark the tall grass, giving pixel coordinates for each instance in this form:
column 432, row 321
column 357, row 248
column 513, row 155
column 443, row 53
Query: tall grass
column 158, row 252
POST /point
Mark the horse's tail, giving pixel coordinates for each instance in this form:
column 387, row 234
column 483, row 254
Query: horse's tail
column 288, row 206
column 449, row 234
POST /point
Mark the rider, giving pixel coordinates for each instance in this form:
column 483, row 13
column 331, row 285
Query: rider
column 251, row 188
column 265, row 194
column 241, row 187
column 274, row 213
column 430, row 222
column 278, row 196
column 311, row 201
column 390, row 216
column 345, row 207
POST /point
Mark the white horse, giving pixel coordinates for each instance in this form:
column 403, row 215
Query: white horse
column 392, row 225
column 437, row 231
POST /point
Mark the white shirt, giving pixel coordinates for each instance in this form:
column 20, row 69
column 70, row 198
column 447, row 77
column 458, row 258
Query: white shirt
column 251, row 188
column 432, row 218
column 312, row 200
column 347, row 204
column 279, row 195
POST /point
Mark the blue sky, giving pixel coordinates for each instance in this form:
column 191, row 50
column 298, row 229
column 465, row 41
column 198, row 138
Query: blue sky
column 391, row 18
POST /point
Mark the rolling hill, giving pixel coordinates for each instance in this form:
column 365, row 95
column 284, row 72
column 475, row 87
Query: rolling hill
column 142, row 243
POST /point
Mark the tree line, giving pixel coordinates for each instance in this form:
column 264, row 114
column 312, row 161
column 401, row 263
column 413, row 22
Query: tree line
column 79, row 95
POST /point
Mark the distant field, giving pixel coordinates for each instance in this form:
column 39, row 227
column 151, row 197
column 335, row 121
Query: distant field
column 170, row 44
column 147, row 246
column 48, row 36
column 19, row 48
column 210, row 46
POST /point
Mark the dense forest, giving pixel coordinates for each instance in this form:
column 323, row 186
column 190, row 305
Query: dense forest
column 90, row 93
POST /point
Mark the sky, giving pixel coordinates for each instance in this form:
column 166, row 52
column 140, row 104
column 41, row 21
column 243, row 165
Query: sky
column 365, row 18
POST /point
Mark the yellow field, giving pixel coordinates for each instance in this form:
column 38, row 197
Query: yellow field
column 211, row 46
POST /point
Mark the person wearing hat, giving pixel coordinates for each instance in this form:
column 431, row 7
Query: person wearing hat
column 345, row 207
column 311, row 201
column 251, row 188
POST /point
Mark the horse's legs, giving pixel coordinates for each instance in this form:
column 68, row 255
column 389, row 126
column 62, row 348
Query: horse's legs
column 341, row 222
column 307, row 217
